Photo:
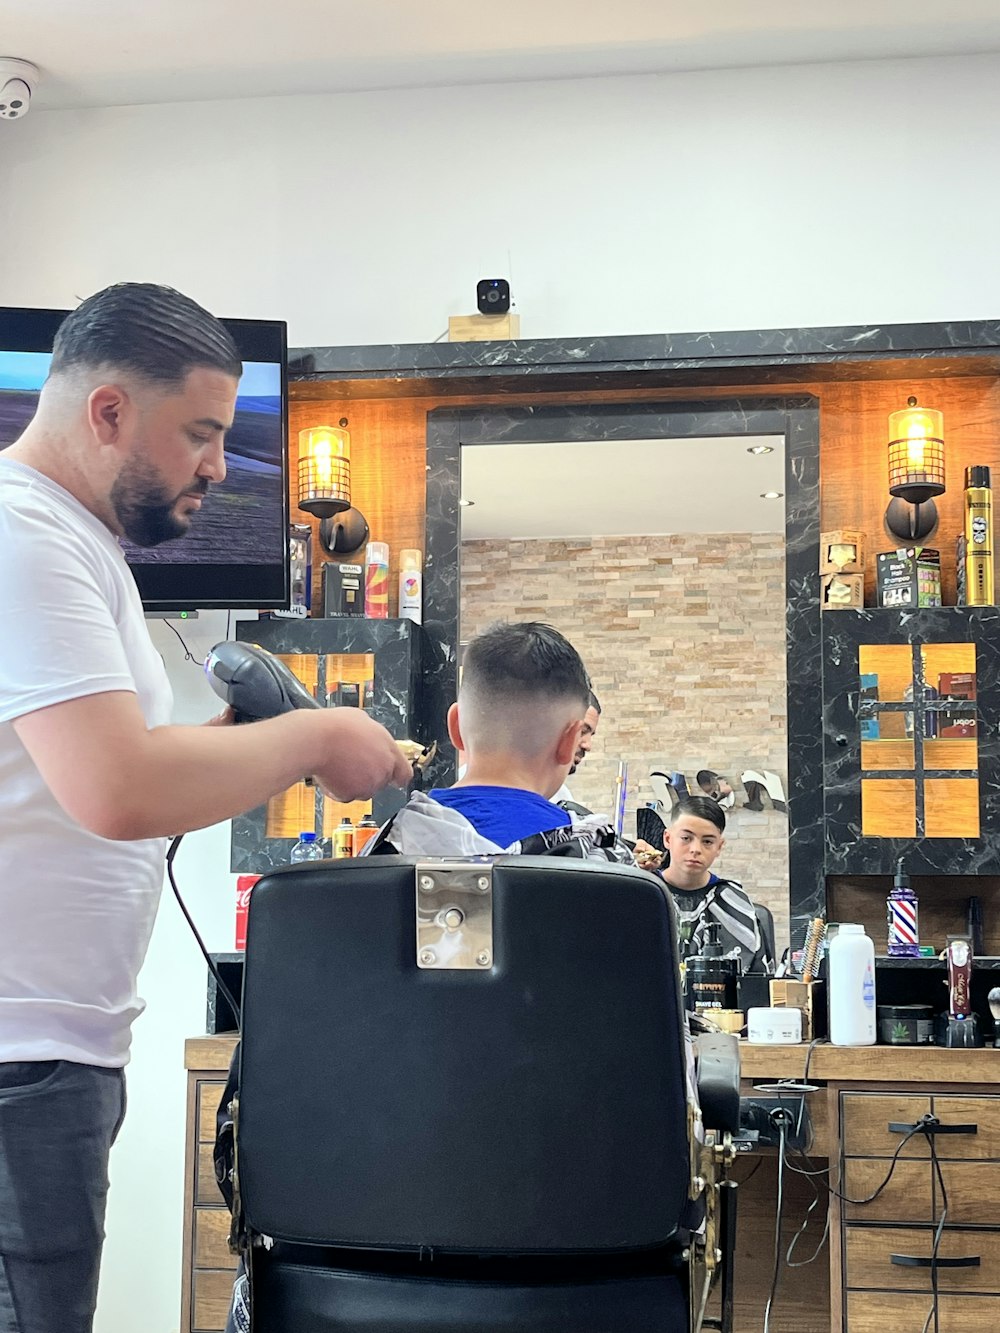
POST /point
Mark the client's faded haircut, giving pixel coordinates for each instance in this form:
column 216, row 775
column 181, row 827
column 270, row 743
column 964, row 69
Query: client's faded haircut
column 515, row 674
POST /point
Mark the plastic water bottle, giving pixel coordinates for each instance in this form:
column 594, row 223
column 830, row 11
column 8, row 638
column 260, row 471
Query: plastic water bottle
column 306, row 849
column 851, row 964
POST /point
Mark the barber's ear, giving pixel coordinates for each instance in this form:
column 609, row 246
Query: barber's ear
column 454, row 731
column 108, row 409
column 568, row 743
column 666, row 839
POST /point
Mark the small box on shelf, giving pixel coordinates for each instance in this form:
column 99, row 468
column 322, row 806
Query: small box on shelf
column 842, row 552
column 842, row 592
column 909, row 576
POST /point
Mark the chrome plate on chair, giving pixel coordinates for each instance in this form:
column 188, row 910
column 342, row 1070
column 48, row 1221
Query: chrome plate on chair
column 454, row 902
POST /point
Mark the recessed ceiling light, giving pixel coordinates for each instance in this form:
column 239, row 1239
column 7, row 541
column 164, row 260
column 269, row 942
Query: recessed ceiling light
column 760, row 449
column 466, row 504
column 771, row 495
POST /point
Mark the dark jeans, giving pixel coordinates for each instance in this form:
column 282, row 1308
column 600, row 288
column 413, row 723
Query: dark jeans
column 58, row 1121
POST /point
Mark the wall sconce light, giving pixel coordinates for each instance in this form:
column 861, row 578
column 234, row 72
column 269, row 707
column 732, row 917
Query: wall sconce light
column 916, row 471
column 325, row 487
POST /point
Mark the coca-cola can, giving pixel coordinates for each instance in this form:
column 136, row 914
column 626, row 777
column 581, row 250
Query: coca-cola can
column 244, row 887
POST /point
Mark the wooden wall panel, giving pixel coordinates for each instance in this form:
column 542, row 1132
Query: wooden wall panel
column 388, row 452
column 853, row 458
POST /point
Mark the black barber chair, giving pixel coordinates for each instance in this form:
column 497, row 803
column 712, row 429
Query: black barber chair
column 464, row 1104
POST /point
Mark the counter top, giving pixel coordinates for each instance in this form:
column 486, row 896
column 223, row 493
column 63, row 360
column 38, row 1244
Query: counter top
column 836, row 1064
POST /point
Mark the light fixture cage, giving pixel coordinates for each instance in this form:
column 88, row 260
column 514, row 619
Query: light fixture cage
column 324, row 471
column 916, row 454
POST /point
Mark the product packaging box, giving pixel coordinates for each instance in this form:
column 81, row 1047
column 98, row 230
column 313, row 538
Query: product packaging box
column 960, row 724
column 842, row 552
column 842, row 592
column 869, row 693
column 909, row 576
column 809, row 996
column 343, row 589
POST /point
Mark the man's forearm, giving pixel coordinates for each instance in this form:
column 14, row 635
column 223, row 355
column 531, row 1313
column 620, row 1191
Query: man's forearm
column 186, row 778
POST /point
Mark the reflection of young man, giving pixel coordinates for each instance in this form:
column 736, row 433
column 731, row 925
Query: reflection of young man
column 591, row 718
column 694, row 839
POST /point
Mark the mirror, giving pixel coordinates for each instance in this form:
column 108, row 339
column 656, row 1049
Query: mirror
column 662, row 561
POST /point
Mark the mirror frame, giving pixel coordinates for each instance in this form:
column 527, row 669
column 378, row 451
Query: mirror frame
column 796, row 419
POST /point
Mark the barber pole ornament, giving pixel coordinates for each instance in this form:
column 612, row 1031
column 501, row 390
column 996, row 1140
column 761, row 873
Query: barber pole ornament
column 901, row 915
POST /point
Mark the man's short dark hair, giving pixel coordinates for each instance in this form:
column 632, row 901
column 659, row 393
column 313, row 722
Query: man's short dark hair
column 595, row 703
column 514, row 660
column 153, row 331
column 700, row 807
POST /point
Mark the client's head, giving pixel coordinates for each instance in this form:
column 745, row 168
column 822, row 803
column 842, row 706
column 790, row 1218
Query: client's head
column 520, row 708
column 694, row 840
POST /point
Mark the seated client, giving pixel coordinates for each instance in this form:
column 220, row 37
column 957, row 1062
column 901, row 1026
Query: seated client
column 694, row 839
column 519, row 719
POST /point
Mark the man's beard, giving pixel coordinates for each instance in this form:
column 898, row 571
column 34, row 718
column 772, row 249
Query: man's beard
column 145, row 512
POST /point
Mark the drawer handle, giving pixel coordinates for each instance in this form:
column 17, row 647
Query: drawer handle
column 922, row 1261
column 896, row 1127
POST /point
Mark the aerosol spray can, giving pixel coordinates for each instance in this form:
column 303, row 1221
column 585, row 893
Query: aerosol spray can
column 343, row 838
column 901, row 914
column 978, row 537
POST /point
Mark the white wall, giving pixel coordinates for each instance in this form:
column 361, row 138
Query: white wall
column 743, row 199
column 780, row 197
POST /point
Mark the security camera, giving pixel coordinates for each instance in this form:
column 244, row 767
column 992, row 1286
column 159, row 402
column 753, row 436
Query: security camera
column 17, row 80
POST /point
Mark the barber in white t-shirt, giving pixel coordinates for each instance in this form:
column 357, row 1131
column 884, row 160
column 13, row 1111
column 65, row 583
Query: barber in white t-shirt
column 126, row 441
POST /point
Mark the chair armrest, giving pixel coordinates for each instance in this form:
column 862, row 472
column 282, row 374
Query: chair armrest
column 717, row 1071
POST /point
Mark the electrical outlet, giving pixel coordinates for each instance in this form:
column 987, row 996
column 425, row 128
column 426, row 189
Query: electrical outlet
column 763, row 1114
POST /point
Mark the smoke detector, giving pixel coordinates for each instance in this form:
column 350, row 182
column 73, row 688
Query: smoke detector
column 18, row 81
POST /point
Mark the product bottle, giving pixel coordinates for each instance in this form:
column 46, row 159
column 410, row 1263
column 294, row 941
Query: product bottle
column 343, row 838
column 306, row 849
column 901, row 914
column 709, row 979
column 411, row 586
column 364, row 831
column 978, row 537
column 377, row 581
column 851, row 964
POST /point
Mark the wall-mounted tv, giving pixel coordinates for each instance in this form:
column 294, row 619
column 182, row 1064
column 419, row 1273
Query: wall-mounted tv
column 236, row 554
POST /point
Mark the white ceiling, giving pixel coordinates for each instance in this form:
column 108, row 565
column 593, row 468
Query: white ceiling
column 122, row 52
column 631, row 487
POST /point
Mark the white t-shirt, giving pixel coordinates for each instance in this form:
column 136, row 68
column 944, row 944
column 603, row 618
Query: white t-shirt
column 76, row 910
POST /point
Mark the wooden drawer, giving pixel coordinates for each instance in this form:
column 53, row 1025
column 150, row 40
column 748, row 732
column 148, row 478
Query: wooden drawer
column 213, row 1294
column 908, row 1197
column 983, row 1112
column 206, row 1189
column 211, row 1238
column 869, row 1313
column 913, row 1193
column 209, row 1095
column 867, row 1264
column 865, row 1119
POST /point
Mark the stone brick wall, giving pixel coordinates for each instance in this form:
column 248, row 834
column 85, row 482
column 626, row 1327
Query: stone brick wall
column 684, row 639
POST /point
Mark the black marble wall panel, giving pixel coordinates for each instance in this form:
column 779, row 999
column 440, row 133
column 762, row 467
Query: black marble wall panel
column 396, row 648
column 794, row 418
column 775, row 354
column 848, row 852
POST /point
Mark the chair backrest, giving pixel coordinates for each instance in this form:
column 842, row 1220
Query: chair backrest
column 531, row 1102
column 765, row 923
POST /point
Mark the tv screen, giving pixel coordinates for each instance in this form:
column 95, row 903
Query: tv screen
column 236, row 554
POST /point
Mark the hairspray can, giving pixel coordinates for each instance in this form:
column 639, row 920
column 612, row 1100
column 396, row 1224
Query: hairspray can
column 901, row 913
column 978, row 537
column 343, row 838
column 410, row 586
column 377, row 581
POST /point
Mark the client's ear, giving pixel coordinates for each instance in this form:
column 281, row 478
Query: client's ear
column 568, row 743
column 454, row 731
